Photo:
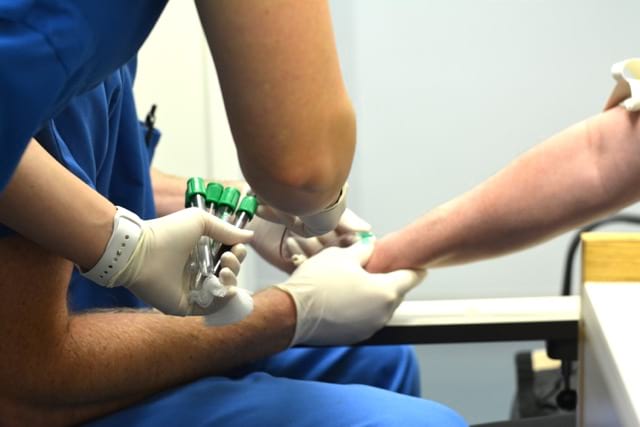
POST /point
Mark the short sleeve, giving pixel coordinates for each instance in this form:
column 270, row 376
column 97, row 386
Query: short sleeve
column 31, row 81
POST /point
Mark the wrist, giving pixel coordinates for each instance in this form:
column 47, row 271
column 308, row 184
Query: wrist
column 282, row 308
column 126, row 231
column 102, row 229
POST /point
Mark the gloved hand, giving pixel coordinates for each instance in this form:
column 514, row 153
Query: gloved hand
column 338, row 302
column 150, row 258
column 316, row 224
column 284, row 249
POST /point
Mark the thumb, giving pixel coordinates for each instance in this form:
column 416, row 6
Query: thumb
column 402, row 280
column 352, row 223
column 224, row 232
column 361, row 251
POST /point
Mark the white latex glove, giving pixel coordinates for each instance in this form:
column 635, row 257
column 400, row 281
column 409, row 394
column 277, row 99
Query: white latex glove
column 285, row 249
column 316, row 224
column 338, row 302
column 237, row 303
column 150, row 258
column 627, row 90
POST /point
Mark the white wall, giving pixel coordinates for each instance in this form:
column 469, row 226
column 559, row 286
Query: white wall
column 446, row 92
column 175, row 72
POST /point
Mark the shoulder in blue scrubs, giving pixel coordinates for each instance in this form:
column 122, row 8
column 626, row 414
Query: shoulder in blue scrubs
column 52, row 50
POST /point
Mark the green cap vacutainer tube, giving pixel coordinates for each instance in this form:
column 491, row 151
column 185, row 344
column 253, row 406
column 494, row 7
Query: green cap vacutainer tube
column 195, row 195
column 227, row 203
column 226, row 206
column 244, row 214
column 213, row 195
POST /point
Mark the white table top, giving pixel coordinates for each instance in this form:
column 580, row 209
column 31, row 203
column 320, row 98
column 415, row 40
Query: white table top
column 486, row 310
column 612, row 320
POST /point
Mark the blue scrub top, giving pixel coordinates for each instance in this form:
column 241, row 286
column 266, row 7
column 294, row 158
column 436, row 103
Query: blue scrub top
column 53, row 50
column 98, row 138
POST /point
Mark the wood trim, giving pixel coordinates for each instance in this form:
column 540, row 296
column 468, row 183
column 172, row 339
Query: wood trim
column 610, row 257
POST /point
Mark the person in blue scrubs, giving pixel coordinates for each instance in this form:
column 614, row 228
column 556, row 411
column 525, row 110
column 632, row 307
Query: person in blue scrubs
column 99, row 139
column 64, row 84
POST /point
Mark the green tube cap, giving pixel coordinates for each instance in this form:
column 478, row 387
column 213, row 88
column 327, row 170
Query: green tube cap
column 195, row 186
column 214, row 192
column 249, row 205
column 366, row 236
column 230, row 197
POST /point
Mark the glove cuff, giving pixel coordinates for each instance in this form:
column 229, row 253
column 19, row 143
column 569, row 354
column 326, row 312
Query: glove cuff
column 300, row 330
column 627, row 90
column 127, row 230
column 327, row 219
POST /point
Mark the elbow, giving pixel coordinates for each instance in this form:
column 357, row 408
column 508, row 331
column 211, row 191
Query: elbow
column 306, row 175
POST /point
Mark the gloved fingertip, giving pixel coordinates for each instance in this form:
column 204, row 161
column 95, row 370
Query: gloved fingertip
column 228, row 277
column 240, row 251
column 293, row 247
column 223, row 231
column 403, row 280
column 244, row 236
column 352, row 222
column 298, row 259
column 361, row 250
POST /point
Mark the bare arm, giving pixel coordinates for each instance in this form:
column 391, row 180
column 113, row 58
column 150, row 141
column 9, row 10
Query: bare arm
column 289, row 112
column 49, row 205
column 60, row 369
column 585, row 172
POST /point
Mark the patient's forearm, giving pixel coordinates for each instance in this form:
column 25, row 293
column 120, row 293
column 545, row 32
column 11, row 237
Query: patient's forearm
column 87, row 365
column 585, row 172
column 109, row 360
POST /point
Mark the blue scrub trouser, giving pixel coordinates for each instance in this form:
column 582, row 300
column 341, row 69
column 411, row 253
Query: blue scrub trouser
column 341, row 386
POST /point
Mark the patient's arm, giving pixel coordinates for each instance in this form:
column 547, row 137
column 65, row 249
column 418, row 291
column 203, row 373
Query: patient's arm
column 583, row 173
column 61, row 369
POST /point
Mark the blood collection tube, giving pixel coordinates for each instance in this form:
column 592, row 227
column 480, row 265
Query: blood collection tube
column 196, row 197
column 244, row 214
column 228, row 203
column 212, row 196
